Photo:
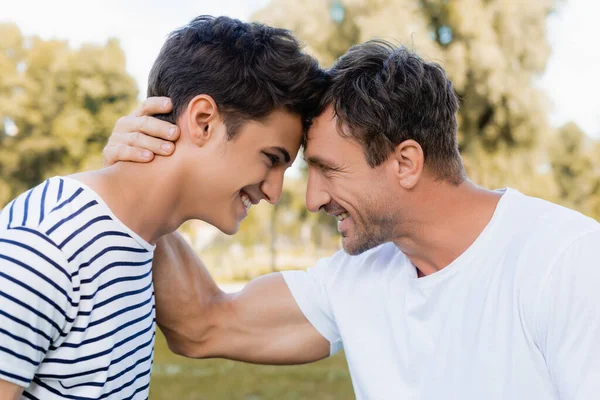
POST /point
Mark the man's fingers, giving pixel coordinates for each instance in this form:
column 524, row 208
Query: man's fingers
column 155, row 127
column 144, row 142
column 148, row 125
column 154, row 105
column 122, row 152
column 124, row 124
column 137, row 137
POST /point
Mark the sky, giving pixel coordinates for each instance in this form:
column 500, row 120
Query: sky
column 571, row 79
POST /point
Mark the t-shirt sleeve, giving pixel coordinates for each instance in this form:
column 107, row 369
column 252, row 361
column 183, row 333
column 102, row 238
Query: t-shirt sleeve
column 568, row 328
column 35, row 299
column 312, row 291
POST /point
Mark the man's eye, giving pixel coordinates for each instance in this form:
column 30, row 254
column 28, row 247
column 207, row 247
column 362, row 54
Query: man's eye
column 325, row 169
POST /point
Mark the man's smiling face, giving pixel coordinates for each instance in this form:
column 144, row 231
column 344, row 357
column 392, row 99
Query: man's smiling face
column 342, row 184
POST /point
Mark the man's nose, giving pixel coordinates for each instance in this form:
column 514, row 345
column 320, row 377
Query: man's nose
column 316, row 192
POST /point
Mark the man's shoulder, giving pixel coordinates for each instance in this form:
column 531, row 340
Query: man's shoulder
column 543, row 226
column 540, row 233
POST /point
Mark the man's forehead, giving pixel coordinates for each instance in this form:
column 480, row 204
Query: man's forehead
column 325, row 126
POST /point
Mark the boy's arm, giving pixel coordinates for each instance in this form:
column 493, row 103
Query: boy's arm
column 10, row 391
column 36, row 294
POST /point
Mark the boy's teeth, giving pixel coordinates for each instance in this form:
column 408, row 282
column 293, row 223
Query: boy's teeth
column 246, row 201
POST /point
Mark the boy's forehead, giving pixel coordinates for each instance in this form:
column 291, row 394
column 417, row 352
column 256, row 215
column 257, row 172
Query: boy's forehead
column 281, row 132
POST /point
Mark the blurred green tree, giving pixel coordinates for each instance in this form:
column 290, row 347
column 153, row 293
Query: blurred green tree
column 491, row 49
column 575, row 160
column 57, row 106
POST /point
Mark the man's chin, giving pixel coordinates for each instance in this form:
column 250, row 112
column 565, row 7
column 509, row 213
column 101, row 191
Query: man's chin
column 352, row 248
column 355, row 248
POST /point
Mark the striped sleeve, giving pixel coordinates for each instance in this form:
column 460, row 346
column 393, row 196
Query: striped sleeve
column 36, row 299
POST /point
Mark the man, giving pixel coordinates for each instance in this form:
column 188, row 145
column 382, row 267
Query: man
column 444, row 290
column 77, row 313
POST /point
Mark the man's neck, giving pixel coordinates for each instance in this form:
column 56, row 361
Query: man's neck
column 448, row 221
column 142, row 196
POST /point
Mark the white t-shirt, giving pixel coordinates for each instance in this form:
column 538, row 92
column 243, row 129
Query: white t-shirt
column 516, row 316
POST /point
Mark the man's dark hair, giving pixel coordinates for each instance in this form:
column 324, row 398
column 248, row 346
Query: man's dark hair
column 249, row 69
column 384, row 95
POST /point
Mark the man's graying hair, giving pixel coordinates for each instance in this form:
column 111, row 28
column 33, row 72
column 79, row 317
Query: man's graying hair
column 384, row 95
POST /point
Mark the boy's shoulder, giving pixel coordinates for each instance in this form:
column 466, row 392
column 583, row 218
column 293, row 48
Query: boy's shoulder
column 26, row 224
column 32, row 209
column 53, row 210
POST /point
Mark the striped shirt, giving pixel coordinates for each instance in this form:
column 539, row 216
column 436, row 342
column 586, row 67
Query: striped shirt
column 77, row 318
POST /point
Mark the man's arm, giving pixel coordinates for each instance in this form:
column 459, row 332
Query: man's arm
column 261, row 324
column 10, row 391
column 568, row 320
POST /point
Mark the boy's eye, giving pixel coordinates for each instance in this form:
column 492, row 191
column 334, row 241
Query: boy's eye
column 273, row 159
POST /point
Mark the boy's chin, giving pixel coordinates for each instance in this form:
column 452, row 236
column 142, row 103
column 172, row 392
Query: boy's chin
column 229, row 229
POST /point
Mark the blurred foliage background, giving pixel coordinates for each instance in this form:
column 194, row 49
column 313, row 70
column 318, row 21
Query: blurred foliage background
column 58, row 106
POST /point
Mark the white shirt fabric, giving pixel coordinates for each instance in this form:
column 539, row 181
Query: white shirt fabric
column 516, row 316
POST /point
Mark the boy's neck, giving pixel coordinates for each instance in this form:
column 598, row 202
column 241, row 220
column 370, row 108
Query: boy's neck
column 142, row 196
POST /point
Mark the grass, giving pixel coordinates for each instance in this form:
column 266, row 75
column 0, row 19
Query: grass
column 175, row 377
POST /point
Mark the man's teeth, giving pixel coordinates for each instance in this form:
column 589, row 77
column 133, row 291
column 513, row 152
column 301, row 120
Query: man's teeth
column 342, row 216
column 247, row 202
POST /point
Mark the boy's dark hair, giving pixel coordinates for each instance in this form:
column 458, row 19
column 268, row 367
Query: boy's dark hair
column 384, row 95
column 249, row 69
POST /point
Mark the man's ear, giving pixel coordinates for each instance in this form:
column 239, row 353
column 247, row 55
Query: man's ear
column 203, row 116
column 407, row 162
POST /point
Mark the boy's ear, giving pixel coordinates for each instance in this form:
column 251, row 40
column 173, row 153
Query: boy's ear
column 203, row 114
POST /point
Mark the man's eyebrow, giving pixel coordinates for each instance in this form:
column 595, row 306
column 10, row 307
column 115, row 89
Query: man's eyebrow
column 321, row 163
column 284, row 153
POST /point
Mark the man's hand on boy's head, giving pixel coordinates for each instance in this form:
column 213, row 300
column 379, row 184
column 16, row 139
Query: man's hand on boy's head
column 138, row 136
